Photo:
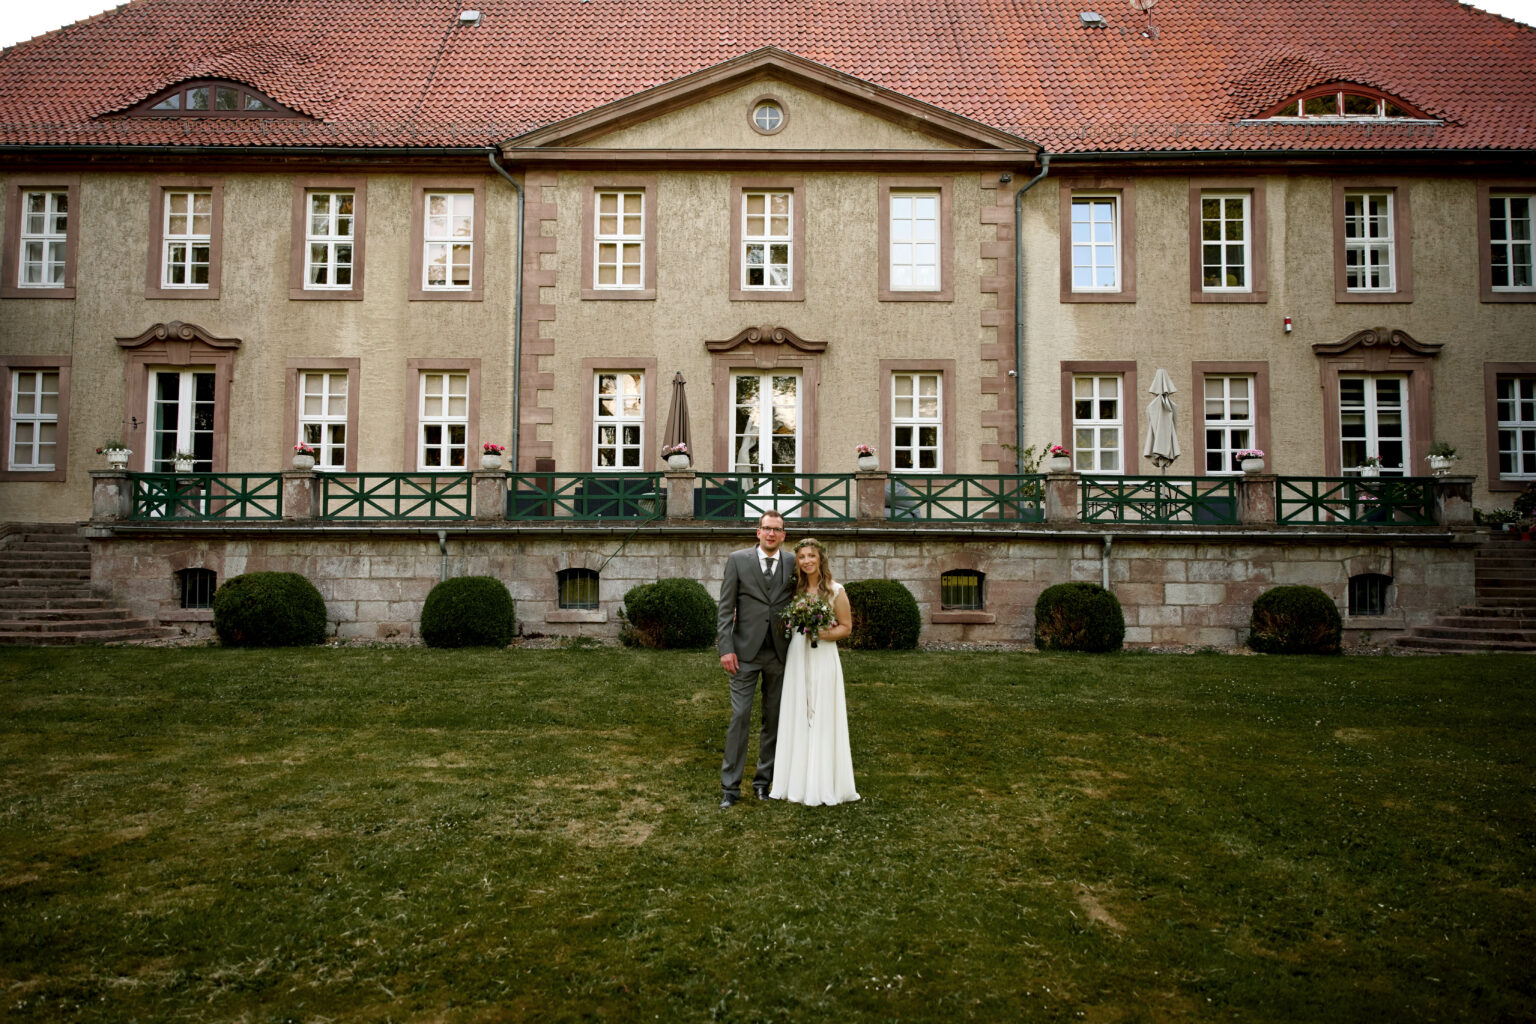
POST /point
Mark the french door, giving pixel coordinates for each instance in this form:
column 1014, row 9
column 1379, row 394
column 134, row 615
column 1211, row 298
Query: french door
column 181, row 404
column 1373, row 420
column 766, row 418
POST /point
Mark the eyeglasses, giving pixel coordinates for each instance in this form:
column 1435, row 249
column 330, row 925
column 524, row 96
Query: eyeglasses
column 770, row 529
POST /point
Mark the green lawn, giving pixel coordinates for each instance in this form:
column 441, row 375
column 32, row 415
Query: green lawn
column 417, row 835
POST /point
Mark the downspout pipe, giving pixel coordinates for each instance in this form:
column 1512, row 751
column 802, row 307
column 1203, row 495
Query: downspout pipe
column 517, row 321
column 1018, row 306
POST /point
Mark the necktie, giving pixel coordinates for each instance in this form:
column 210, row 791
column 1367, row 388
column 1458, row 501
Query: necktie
column 768, row 568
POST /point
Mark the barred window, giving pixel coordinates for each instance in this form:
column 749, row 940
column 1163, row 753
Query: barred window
column 961, row 590
column 196, row 587
column 1368, row 593
column 578, row 588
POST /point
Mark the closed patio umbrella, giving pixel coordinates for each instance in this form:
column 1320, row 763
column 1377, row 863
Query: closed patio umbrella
column 1162, row 440
column 677, row 418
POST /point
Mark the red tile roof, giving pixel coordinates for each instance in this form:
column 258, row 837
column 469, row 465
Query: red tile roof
column 405, row 73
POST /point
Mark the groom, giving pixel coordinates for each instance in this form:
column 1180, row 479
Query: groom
column 758, row 584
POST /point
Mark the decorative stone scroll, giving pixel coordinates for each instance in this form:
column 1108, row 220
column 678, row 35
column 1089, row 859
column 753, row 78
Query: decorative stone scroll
column 767, row 335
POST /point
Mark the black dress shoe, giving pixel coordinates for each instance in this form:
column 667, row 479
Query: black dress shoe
column 728, row 800
column 761, row 792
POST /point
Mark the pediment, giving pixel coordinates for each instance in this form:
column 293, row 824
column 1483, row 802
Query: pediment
column 1389, row 339
column 767, row 335
column 177, row 332
column 840, row 112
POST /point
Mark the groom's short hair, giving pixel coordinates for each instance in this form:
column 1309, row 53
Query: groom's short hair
column 771, row 514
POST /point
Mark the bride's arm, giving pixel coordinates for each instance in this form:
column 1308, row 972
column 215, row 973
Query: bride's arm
column 844, row 615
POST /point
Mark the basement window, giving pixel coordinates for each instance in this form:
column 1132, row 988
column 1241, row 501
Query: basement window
column 1368, row 593
column 196, row 587
column 960, row 590
column 578, row 588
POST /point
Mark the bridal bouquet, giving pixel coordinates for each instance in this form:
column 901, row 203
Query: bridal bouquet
column 808, row 614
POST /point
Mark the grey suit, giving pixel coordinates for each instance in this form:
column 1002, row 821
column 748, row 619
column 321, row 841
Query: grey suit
column 747, row 626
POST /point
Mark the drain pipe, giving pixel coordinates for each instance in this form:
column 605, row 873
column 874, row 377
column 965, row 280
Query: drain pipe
column 442, row 549
column 1109, row 542
column 1018, row 306
column 517, row 321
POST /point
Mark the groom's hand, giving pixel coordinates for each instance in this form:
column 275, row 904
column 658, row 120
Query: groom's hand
column 729, row 662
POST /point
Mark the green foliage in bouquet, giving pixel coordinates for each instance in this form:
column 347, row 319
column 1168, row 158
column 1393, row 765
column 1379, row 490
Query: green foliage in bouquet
column 468, row 611
column 671, row 613
column 1295, row 620
column 885, row 616
column 269, row 609
column 1079, row 616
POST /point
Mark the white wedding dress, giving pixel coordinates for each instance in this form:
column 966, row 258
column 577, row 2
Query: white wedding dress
column 813, row 764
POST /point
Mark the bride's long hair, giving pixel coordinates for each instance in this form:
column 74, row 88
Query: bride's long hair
column 824, row 573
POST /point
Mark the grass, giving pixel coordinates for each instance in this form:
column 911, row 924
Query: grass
column 417, row 835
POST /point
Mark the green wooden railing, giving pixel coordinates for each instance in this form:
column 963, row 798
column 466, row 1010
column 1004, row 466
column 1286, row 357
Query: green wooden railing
column 1008, row 499
column 816, row 497
column 1159, row 499
column 585, row 496
column 204, row 496
column 394, row 496
column 1355, row 501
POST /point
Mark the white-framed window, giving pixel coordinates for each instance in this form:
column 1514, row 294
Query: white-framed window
column 328, row 238
column 34, row 419
column 620, row 239
column 186, row 239
column 44, row 238
column 1516, row 402
column 1369, row 246
column 181, row 418
column 1229, row 421
column 767, row 240
column 914, row 251
column 1373, row 420
column 1225, row 256
column 448, row 242
column 768, row 117
column 1509, row 239
column 1097, row 423
column 323, row 416
column 917, row 422
column 443, row 421
column 618, row 430
column 1095, row 243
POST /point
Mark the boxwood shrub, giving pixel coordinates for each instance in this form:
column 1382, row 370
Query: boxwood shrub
column 269, row 609
column 885, row 616
column 1079, row 616
column 1295, row 620
column 468, row 611
column 672, row 613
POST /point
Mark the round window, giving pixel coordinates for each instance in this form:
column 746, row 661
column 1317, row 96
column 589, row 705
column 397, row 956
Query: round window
column 767, row 116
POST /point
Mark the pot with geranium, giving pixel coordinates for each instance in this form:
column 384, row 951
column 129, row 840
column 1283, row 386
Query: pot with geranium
column 868, row 461
column 1060, row 458
column 491, row 456
column 1441, row 457
column 1371, row 466
column 304, row 457
column 116, row 452
column 184, row 461
column 1251, row 460
column 678, row 457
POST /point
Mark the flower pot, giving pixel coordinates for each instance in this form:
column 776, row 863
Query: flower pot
column 1370, row 471
column 117, row 458
column 304, row 462
column 1252, row 467
column 1440, row 465
column 1060, row 464
column 678, row 463
column 868, row 463
column 490, row 462
column 184, row 465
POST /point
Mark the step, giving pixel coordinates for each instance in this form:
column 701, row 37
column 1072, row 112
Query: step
column 33, row 591
column 32, row 613
column 49, row 601
column 103, row 636
column 11, row 562
column 47, row 577
column 1474, row 621
column 75, row 626
column 1445, row 631
column 1436, row 645
column 1497, row 610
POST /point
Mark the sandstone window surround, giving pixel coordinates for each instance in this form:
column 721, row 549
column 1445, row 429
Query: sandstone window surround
column 448, row 239
column 1378, row 352
column 768, row 259
column 34, row 391
column 186, row 238
column 1097, row 228
column 321, row 404
column 442, row 414
column 916, row 239
column 1504, row 241
column 619, row 219
column 1372, row 232
column 767, row 351
column 327, row 236
column 182, row 347
column 1228, row 240
column 41, row 238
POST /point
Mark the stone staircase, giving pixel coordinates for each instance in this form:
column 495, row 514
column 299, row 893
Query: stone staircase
column 46, row 598
column 1504, row 617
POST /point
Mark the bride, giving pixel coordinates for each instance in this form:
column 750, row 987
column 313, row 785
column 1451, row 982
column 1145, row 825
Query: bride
column 814, row 763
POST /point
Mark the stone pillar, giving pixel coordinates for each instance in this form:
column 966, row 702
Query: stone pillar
column 1453, row 502
column 869, row 495
column 1256, row 499
column 680, row 494
column 301, row 495
column 1061, row 490
column 489, row 494
column 111, row 494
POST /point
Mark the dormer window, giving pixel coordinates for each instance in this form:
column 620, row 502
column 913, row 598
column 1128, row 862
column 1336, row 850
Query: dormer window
column 211, row 99
column 1343, row 103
